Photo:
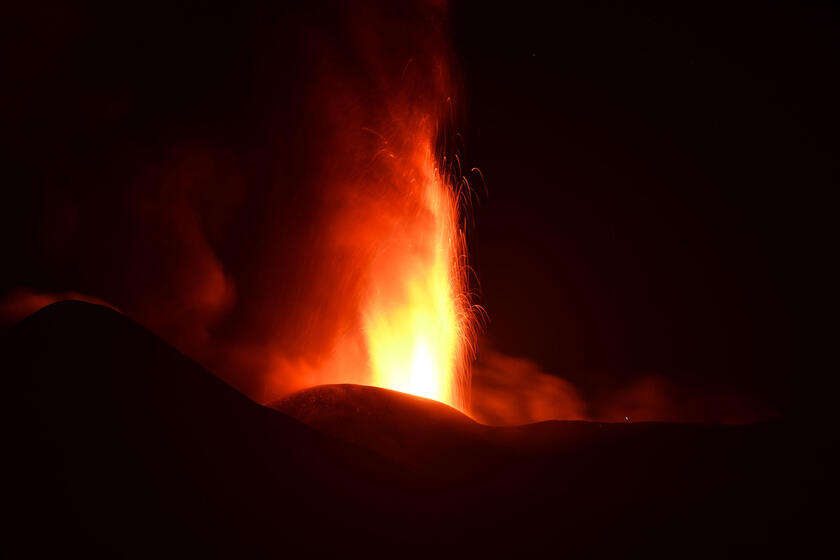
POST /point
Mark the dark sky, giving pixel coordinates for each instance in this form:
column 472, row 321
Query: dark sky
column 659, row 179
column 658, row 175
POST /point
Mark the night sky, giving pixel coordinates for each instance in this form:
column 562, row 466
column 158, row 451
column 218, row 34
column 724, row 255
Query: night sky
column 659, row 177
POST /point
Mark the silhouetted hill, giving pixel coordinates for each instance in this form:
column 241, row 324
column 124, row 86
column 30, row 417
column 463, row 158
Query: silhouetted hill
column 407, row 429
column 118, row 445
column 426, row 434
column 121, row 443
column 620, row 487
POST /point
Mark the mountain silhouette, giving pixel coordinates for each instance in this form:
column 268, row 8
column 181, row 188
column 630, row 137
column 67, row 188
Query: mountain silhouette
column 119, row 445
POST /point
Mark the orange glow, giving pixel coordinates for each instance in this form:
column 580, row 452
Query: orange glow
column 380, row 293
column 415, row 314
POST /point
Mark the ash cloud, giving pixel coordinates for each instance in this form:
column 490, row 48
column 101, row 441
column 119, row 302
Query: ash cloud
column 510, row 391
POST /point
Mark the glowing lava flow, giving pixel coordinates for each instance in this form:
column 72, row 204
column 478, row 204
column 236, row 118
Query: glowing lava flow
column 416, row 316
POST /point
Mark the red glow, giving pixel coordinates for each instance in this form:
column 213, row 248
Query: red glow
column 391, row 225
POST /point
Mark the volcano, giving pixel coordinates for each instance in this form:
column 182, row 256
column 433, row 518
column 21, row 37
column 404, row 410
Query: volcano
column 119, row 445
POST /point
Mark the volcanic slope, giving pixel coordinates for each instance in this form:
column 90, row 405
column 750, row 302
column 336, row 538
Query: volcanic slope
column 118, row 445
column 661, row 488
column 121, row 444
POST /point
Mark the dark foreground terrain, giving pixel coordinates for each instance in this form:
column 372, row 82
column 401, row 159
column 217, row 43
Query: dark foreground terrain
column 118, row 445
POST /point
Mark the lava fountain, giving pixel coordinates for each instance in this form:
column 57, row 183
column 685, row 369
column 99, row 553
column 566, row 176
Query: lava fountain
column 385, row 287
column 416, row 311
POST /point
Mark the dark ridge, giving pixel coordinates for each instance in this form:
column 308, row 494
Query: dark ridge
column 118, row 445
column 623, row 487
column 424, row 433
column 123, row 444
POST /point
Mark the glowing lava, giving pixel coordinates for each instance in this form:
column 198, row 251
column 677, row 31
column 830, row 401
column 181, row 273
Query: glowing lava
column 416, row 316
column 383, row 267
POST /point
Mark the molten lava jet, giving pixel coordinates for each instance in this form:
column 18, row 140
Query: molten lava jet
column 416, row 313
column 390, row 268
